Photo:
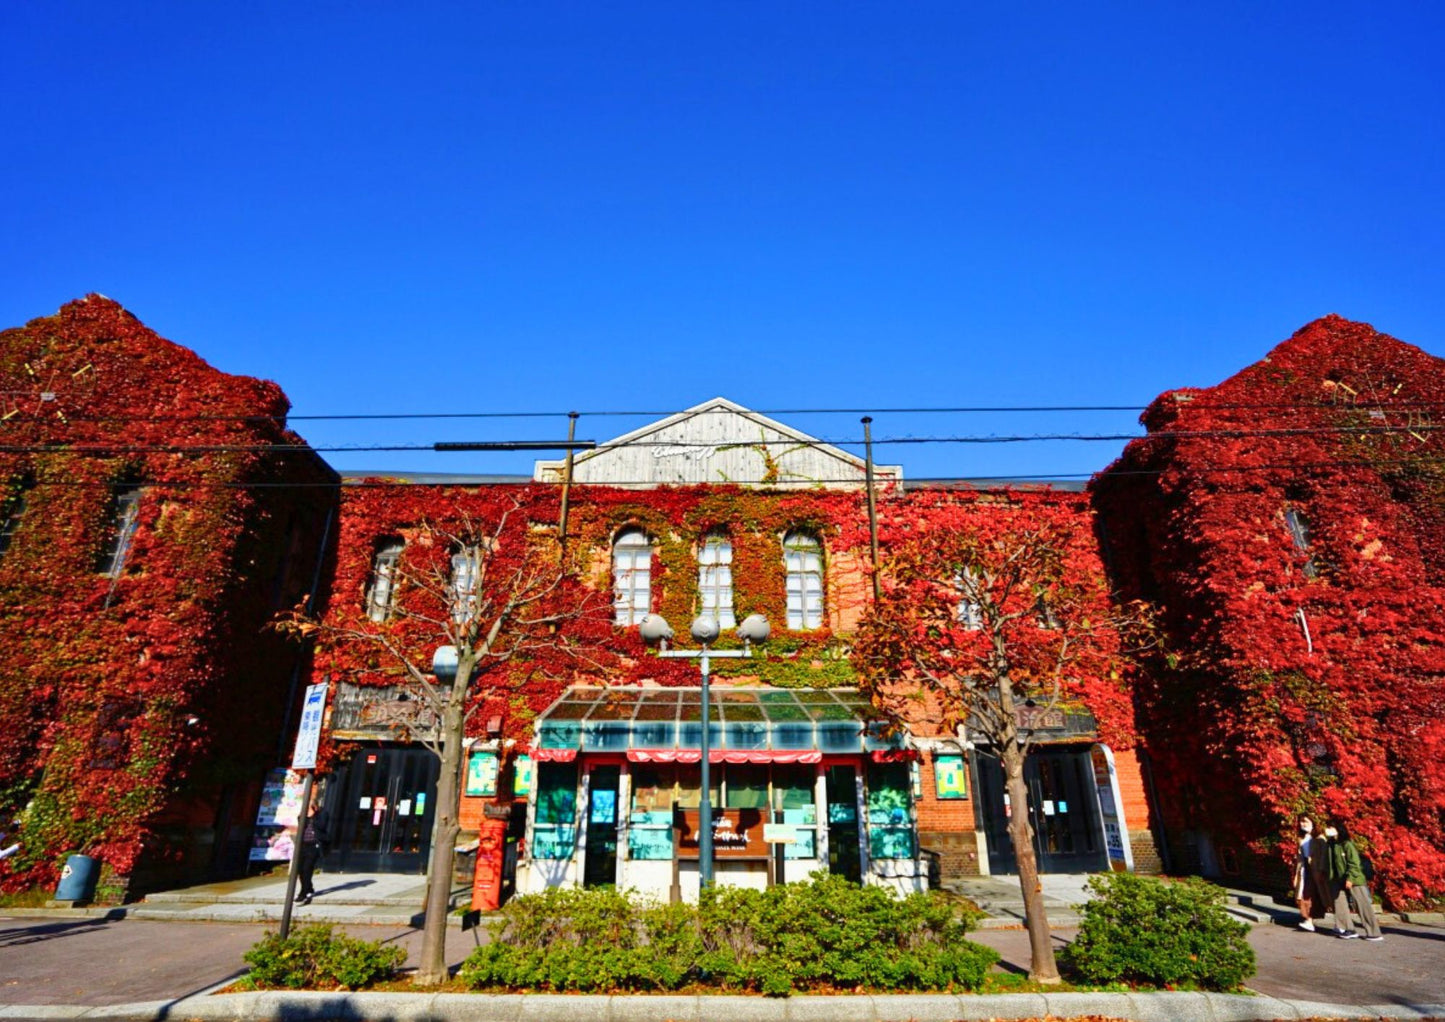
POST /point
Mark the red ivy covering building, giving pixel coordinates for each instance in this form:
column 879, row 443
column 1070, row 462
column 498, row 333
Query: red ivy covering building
column 159, row 518
column 144, row 549
column 1289, row 526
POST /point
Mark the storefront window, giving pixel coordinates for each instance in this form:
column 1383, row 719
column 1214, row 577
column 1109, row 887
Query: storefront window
column 794, row 803
column 890, row 819
column 649, row 834
column 747, row 787
column 689, row 784
column 554, row 835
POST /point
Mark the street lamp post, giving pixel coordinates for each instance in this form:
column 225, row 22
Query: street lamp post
column 704, row 631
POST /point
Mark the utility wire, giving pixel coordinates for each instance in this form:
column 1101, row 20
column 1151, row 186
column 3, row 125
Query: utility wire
column 547, row 445
column 384, row 479
column 954, row 410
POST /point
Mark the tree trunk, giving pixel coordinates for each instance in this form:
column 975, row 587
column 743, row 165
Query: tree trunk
column 1042, row 967
column 442, row 860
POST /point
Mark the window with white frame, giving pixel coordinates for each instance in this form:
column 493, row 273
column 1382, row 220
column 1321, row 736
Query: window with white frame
column 125, row 517
column 1299, row 531
column 715, row 579
column 383, row 579
column 803, row 562
column 969, row 613
column 466, row 563
column 631, row 576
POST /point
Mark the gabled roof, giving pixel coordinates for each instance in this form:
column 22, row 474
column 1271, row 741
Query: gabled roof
column 718, row 441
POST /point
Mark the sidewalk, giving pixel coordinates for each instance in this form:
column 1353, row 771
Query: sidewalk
column 160, row 959
column 1165, row 1007
column 375, row 899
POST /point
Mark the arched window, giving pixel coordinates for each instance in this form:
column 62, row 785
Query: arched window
column 715, row 578
column 631, row 576
column 383, row 579
column 124, row 518
column 803, row 561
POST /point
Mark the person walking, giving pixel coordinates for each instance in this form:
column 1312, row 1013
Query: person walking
column 1347, row 879
column 313, row 835
column 1310, row 874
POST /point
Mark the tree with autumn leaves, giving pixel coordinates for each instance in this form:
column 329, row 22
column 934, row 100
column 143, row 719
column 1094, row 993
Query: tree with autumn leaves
column 985, row 613
column 487, row 582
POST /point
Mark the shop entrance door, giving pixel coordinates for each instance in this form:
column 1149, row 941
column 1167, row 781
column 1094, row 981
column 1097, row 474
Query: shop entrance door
column 601, row 863
column 843, row 858
column 1063, row 808
column 381, row 805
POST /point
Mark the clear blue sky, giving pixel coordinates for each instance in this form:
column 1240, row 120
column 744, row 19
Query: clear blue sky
column 501, row 206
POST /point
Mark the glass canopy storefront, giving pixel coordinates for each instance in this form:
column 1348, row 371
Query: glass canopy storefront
column 665, row 724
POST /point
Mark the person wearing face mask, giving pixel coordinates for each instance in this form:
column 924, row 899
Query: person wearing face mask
column 1347, row 878
column 1310, row 874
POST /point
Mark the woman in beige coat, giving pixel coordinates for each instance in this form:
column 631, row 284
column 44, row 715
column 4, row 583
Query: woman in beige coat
column 1311, row 869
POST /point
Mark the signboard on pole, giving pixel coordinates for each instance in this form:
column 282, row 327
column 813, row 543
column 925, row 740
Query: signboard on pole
column 1111, row 809
column 308, row 736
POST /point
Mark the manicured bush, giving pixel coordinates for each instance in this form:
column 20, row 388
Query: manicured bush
column 1161, row 933
column 314, row 956
column 825, row 933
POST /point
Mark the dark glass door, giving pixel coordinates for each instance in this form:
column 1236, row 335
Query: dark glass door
column 381, row 809
column 1063, row 808
column 843, row 858
column 601, row 861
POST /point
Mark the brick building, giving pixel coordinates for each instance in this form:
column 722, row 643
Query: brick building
column 158, row 517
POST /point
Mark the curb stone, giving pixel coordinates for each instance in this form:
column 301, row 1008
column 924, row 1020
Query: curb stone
column 265, row 1006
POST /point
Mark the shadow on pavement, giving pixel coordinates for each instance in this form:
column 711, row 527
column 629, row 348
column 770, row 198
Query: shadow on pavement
column 337, row 1008
column 50, row 931
column 344, row 887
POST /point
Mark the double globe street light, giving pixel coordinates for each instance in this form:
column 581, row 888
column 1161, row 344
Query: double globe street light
column 705, row 631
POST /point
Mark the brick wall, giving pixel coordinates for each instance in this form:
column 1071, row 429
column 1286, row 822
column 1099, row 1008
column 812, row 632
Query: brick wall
column 946, row 828
column 1138, row 816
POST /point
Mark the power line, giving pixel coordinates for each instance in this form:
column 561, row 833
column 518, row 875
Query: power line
column 1193, row 405
column 550, row 445
column 382, row 480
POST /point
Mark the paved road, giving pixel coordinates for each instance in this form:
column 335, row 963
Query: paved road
column 97, row 961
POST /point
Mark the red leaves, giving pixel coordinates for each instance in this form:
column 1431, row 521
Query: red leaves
column 1197, row 524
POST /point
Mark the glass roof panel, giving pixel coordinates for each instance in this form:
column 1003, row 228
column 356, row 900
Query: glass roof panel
column 614, row 706
column 786, row 712
column 657, row 711
column 569, row 710
column 831, row 711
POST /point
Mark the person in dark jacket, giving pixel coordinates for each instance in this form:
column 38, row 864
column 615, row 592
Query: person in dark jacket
column 313, row 836
column 1347, row 880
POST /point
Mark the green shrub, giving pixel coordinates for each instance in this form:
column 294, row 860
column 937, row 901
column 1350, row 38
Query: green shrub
column 823, row 933
column 314, row 956
column 1159, row 932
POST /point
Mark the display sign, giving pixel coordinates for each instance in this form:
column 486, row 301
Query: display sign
column 780, row 834
column 277, row 816
column 949, row 778
column 482, row 770
column 1111, row 809
column 522, row 776
column 736, row 834
column 308, row 736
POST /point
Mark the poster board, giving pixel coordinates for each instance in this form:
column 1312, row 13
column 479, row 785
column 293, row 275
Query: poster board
column 275, row 834
column 1111, row 809
column 950, row 780
column 482, row 771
